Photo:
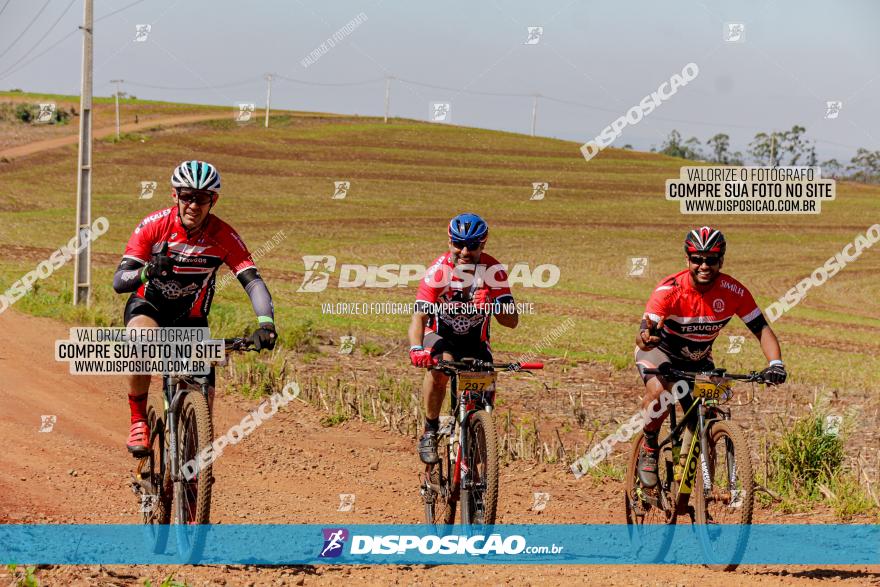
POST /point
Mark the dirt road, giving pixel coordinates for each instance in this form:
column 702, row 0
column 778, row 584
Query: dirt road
column 291, row 470
column 106, row 131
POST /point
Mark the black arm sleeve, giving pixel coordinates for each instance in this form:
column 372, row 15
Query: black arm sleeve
column 757, row 325
column 261, row 299
column 128, row 276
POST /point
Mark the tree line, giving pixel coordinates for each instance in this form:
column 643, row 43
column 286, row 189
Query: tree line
column 777, row 148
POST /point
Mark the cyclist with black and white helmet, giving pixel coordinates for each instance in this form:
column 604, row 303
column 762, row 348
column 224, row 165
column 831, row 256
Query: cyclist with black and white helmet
column 169, row 266
column 683, row 317
column 461, row 291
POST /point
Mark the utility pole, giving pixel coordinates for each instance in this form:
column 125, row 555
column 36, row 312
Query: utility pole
column 268, row 96
column 535, row 113
column 117, row 82
column 773, row 148
column 81, row 269
column 387, row 95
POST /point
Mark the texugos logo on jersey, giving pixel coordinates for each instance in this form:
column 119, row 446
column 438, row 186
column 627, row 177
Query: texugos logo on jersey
column 474, row 545
column 318, row 269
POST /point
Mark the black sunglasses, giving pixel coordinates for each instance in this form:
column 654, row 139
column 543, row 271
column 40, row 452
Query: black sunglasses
column 200, row 198
column 471, row 245
column 710, row 261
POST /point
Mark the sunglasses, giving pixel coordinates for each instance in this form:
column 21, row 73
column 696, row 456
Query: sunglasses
column 200, row 198
column 710, row 261
column 471, row 245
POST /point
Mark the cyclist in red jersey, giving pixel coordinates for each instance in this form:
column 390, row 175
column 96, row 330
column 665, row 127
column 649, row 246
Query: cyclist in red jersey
column 683, row 317
column 169, row 267
column 460, row 293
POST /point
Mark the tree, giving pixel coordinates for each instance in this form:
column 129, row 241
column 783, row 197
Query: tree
column 720, row 144
column 794, row 144
column 865, row 165
column 674, row 147
column 765, row 149
column 831, row 168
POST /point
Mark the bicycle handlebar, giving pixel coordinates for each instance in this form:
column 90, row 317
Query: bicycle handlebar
column 240, row 343
column 751, row 377
column 478, row 365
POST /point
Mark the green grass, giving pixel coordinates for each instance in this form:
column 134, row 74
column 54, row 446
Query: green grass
column 408, row 178
column 807, row 465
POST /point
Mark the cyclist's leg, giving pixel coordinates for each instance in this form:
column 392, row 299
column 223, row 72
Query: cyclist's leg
column 139, row 314
column 433, row 391
column 654, row 388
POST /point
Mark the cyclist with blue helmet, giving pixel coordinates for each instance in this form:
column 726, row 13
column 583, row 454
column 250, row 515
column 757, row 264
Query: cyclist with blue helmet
column 461, row 291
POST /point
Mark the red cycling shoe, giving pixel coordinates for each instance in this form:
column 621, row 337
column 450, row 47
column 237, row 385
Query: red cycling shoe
column 139, row 439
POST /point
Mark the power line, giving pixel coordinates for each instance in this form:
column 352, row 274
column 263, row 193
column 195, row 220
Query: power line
column 4, row 75
column 4, row 6
column 229, row 85
column 118, row 10
column 26, row 29
column 463, row 91
column 43, row 38
column 303, row 82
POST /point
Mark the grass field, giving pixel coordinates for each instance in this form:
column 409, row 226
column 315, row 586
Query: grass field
column 407, row 179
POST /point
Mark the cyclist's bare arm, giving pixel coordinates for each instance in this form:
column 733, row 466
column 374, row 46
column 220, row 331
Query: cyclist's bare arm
column 417, row 328
column 769, row 343
column 507, row 314
column 648, row 336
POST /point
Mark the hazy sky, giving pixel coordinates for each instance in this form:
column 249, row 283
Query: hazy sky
column 794, row 57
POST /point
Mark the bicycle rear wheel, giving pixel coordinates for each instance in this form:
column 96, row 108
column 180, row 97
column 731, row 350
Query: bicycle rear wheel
column 724, row 513
column 480, row 503
column 193, row 496
column 439, row 509
column 650, row 517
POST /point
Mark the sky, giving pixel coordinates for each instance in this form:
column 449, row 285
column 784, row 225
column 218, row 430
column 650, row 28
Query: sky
column 592, row 62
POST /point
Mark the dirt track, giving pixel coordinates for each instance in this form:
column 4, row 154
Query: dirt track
column 106, row 131
column 291, row 470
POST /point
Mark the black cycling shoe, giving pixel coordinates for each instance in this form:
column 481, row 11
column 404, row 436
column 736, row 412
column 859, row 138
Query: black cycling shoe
column 428, row 448
column 647, row 466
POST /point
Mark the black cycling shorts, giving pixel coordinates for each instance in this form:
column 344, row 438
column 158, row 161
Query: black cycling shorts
column 458, row 349
column 138, row 306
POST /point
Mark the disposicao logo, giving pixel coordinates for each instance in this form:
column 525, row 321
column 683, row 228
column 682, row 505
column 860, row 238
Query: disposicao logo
column 334, row 541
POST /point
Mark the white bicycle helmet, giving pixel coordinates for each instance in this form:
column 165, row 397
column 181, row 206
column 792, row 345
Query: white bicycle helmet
column 198, row 175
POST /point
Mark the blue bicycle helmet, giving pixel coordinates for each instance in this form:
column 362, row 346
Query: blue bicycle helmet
column 468, row 229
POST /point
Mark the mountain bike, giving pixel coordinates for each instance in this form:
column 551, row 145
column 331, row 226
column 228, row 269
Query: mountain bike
column 704, row 440
column 468, row 467
column 177, row 437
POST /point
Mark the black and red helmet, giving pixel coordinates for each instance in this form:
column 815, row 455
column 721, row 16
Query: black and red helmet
column 705, row 240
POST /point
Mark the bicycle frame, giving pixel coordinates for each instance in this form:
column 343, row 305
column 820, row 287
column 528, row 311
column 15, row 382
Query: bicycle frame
column 173, row 394
column 698, row 417
column 461, row 472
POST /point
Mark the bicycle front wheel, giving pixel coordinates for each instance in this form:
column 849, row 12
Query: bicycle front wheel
column 439, row 509
column 480, row 501
column 724, row 511
column 193, row 492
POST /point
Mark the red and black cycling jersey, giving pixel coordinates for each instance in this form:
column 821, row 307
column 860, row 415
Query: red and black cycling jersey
column 197, row 256
column 694, row 318
column 445, row 296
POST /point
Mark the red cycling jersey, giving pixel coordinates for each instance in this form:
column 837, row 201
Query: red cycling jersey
column 197, row 256
column 694, row 318
column 445, row 296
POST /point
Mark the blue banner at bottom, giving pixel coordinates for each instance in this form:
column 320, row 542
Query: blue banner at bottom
column 790, row 544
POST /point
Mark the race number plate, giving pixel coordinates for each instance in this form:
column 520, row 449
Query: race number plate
column 475, row 381
column 706, row 390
